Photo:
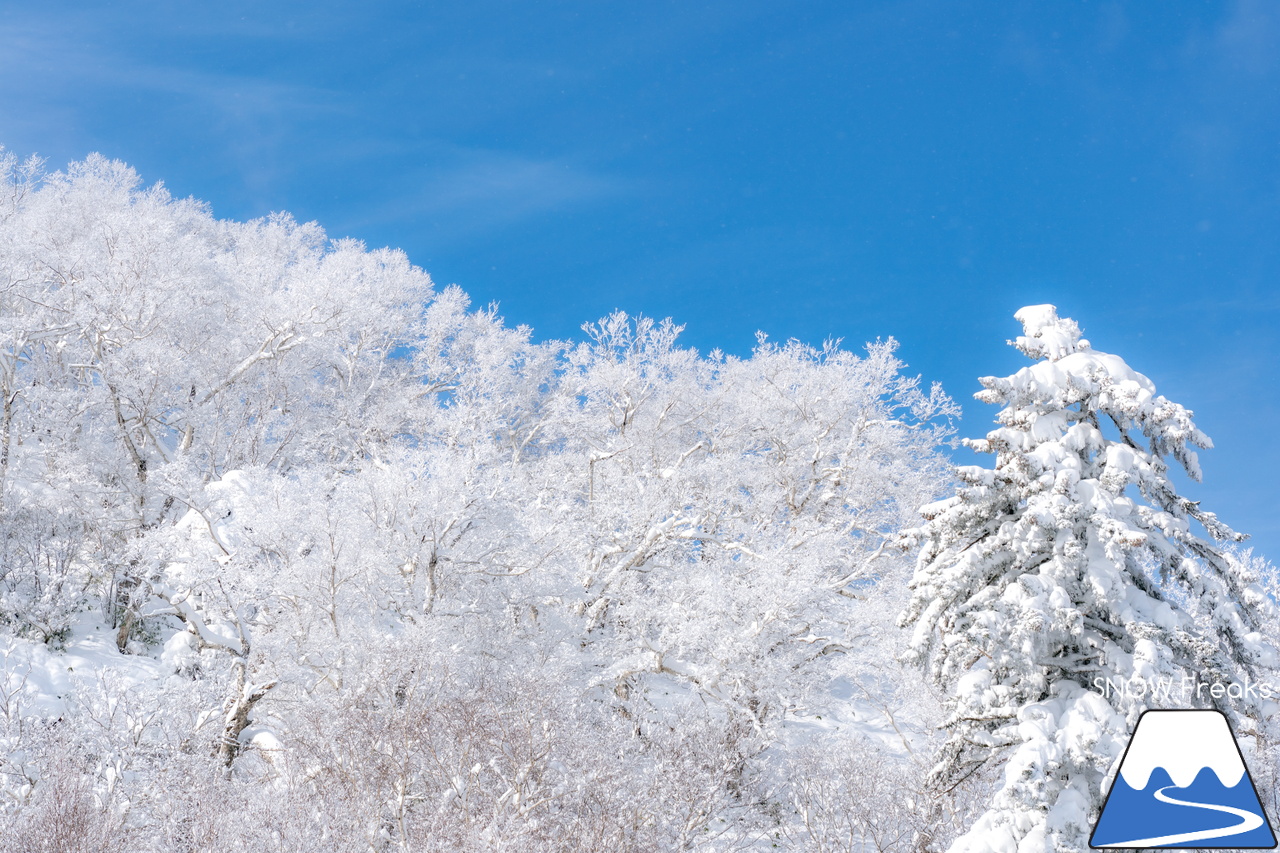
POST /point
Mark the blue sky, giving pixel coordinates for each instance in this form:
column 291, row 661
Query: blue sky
column 813, row 170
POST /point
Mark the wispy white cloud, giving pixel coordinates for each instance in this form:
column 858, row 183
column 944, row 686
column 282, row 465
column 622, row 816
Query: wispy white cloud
column 467, row 192
column 66, row 88
column 1246, row 41
column 82, row 82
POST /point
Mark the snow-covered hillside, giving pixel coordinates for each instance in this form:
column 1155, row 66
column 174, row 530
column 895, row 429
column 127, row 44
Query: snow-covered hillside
column 300, row 552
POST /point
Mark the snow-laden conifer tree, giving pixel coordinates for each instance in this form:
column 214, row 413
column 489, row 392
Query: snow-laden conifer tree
column 1075, row 560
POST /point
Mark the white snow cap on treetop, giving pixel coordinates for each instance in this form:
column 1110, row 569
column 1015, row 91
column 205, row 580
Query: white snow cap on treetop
column 1048, row 335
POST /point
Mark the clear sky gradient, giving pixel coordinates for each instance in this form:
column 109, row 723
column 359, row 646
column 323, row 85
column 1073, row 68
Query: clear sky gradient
column 819, row 169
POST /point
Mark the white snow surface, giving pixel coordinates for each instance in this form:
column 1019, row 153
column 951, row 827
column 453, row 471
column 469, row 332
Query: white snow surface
column 1046, row 334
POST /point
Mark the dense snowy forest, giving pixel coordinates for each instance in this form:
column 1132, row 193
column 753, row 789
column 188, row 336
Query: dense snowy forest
column 301, row 552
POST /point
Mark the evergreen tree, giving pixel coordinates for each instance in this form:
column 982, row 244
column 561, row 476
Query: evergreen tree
column 1072, row 567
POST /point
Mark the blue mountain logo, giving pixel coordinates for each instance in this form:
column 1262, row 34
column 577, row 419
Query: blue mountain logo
column 1183, row 783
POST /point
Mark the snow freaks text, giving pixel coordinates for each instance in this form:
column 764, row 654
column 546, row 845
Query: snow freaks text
column 1184, row 689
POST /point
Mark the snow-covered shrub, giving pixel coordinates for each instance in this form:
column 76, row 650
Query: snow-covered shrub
column 41, row 582
column 62, row 816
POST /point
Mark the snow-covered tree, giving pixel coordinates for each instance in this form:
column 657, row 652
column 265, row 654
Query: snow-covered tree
column 286, row 533
column 1073, row 562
